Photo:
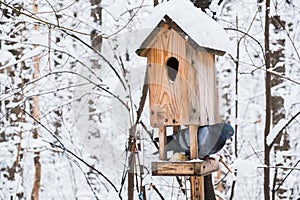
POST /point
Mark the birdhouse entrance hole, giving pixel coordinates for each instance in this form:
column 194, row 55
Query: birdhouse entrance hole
column 172, row 65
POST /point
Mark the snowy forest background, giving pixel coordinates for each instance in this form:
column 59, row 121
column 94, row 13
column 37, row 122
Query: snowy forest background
column 71, row 83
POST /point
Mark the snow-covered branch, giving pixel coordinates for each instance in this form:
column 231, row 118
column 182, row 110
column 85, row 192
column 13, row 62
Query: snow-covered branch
column 276, row 132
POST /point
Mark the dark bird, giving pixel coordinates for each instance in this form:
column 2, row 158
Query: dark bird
column 203, row 4
column 211, row 139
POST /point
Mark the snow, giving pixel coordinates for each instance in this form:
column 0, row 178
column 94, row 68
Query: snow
column 64, row 178
column 38, row 38
column 245, row 167
column 276, row 130
column 200, row 27
column 11, row 61
column 6, row 58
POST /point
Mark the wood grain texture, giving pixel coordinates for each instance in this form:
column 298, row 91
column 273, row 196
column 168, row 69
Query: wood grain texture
column 168, row 100
column 192, row 97
column 193, row 129
column 162, row 143
column 197, row 191
column 197, row 183
column 185, row 168
column 202, row 90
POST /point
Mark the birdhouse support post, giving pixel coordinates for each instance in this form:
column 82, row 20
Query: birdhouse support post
column 162, row 143
column 197, row 182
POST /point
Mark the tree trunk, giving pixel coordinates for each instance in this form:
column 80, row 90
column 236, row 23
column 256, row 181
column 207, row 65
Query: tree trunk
column 268, row 104
column 282, row 143
column 35, row 114
column 20, row 114
column 237, row 64
column 96, row 42
column 96, row 13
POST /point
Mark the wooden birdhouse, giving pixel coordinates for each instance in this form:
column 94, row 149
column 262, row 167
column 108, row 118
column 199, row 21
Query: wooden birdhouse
column 181, row 67
column 180, row 47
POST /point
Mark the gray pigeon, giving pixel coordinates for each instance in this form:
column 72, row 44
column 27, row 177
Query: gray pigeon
column 211, row 139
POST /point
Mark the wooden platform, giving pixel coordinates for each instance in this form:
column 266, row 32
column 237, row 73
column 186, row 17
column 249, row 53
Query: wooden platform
column 185, row 168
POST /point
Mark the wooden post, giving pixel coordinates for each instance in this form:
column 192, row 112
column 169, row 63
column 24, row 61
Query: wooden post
column 162, row 143
column 131, row 162
column 197, row 183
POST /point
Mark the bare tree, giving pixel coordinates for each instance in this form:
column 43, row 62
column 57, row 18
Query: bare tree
column 268, row 110
column 35, row 114
column 278, row 111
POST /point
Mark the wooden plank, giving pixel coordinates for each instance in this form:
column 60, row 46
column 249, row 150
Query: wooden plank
column 197, row 192
column 208, row 60
column 173, row 169
column 206, row 167
column 216, row 97
column 202, row 90
column 193, row 86
column 168, row 100
column 207, row 89
column 197, row 183
column 193, row 141
column 162, row 143
column 184, row 168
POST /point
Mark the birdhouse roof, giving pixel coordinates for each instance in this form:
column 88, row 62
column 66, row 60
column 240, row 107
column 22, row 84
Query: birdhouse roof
column 198, row 29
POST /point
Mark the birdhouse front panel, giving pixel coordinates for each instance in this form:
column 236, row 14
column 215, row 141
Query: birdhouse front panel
column 167, row 75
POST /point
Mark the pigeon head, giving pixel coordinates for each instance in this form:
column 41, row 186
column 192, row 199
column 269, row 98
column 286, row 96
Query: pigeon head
column 227, row 131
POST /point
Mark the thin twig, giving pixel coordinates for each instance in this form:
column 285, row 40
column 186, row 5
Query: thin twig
column 279, row 167
column 157, row 191
column 34, row 17
column 62, row 146
column 250, row 36
column 287, row 175
column 98, row 53
column 131, row 18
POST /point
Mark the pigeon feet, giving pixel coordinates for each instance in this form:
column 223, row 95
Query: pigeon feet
column 207, row 158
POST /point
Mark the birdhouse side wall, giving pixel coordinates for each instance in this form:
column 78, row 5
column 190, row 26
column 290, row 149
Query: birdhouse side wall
column 202, row 88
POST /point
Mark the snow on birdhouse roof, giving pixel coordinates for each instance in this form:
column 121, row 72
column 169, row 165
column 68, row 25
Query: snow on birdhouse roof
column 197, row 27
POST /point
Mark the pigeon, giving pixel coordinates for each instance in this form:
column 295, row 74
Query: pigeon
column 211, row 139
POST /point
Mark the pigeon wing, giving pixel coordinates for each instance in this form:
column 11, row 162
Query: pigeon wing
column 208, row 138
column 203, row 137
column 178, row 142
column 220, row 138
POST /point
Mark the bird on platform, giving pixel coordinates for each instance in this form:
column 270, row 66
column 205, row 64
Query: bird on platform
column 211, row 139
